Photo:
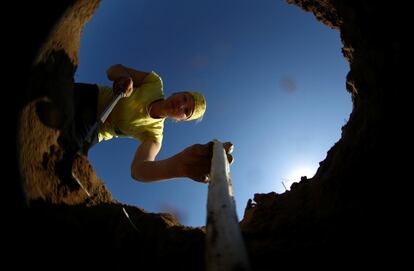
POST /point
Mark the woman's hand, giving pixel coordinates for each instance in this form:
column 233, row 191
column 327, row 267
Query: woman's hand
column 123, row 85
column 229, row 147
column 196, row 160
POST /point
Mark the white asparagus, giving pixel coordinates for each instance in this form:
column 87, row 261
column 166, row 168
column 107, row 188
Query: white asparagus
column 225, row 248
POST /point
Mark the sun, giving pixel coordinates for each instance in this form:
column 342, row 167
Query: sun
column 296, row 173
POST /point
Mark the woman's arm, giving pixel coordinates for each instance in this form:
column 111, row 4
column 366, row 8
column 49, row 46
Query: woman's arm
column 193, row 162
column 117, row 71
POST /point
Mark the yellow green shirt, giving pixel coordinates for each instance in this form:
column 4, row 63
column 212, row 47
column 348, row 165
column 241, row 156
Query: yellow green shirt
column 130, row 116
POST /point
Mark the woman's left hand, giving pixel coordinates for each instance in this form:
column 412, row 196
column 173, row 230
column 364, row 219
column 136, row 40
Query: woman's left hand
column 196, row 160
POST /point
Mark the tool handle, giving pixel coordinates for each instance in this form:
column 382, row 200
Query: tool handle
column 104, row 115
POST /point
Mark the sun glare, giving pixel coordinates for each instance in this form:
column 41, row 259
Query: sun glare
column 296, row 174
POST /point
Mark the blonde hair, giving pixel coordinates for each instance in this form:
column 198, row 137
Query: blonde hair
column 199, row 106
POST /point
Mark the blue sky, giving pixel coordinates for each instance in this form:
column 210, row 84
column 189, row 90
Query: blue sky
column 273, row 77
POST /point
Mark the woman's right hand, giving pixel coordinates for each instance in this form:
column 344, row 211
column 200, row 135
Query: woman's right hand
column 125, row 85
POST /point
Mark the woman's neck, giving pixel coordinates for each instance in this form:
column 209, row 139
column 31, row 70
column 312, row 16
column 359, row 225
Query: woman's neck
column 156, row 110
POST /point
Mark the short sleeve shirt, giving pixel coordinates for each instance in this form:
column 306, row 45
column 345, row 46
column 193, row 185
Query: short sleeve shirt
column 130, row 116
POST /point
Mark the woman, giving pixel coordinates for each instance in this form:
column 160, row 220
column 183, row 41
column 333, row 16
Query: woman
column 141, row 115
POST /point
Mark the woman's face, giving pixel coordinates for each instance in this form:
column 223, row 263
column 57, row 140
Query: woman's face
column 180, row 105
